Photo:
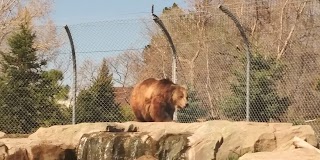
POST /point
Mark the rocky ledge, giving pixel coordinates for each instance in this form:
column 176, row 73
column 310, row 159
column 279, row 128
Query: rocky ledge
column 217, row 140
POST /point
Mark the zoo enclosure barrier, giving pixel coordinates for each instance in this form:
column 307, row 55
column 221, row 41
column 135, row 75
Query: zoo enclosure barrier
column 112, row 56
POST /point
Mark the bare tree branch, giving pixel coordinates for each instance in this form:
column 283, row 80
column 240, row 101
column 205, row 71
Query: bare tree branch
column 162, row 62
column 291, row 31
column 14, row 12
column 281, row 26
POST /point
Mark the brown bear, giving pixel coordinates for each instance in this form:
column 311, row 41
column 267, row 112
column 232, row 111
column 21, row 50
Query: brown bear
column 154, row 100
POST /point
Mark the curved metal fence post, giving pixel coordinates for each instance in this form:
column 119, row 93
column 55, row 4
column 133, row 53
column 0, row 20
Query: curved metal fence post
column 248, row 54
column 158, row 21
column 74, row 74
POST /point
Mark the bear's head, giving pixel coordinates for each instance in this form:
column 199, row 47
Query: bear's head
column 180, row 97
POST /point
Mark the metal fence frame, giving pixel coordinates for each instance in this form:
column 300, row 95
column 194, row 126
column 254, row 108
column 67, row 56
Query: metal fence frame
column 171, row 46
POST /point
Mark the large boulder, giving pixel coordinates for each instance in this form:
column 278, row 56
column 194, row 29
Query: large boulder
column 25, row 149
column 243, row 137
column 224, row 139
column 67, row 134
column 53, row 143
column 294, row 154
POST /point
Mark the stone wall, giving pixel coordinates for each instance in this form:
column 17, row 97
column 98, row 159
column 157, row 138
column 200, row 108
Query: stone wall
column 217, row 140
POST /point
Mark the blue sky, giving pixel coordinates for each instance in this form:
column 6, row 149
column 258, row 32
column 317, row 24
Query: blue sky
column 105, row 36
column 107, row 25
column 83, row 11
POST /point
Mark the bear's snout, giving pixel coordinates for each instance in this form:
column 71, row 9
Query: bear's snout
column 181, row 106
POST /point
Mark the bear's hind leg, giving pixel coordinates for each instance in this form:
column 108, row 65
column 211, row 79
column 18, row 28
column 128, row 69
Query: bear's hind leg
column 138, row 116
column 158, row 111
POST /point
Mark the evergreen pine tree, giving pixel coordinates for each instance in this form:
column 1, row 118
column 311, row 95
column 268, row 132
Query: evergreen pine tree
column 265, row 102
column 97, row 103
column 195, row 109
column 25, row 101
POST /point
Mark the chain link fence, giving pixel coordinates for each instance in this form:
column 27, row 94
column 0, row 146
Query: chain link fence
column 112, row 56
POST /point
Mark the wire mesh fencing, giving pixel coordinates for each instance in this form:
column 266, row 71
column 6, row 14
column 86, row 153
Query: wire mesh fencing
column 112, row 56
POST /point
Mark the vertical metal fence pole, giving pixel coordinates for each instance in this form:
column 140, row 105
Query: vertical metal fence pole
column 248, row 54
column 158, row 21
column 74, row 74
column 248, row 85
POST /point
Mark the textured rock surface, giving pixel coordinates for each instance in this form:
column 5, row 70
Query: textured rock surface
column 295, row 154
column 201, row 140
column 224, row 139
column 25, row 149
column 147, row 157
column 2, row 134
column 241, row 138
column 106, row 145
column 67, row 134
column 53, row 143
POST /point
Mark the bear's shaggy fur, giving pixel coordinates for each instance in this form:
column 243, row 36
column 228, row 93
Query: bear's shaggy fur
column 155, row 100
